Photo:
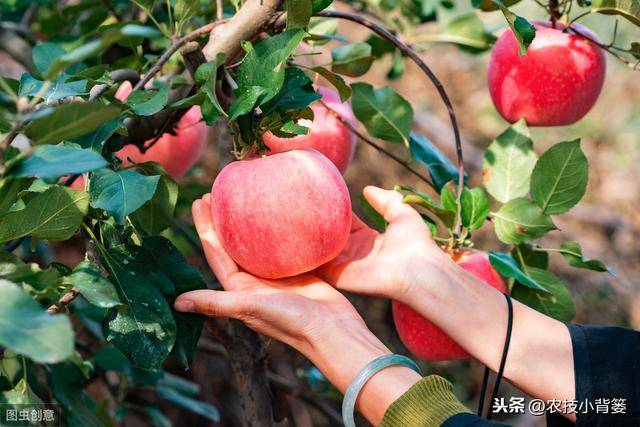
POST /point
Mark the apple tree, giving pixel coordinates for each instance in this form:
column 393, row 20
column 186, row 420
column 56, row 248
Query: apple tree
column 98, row 336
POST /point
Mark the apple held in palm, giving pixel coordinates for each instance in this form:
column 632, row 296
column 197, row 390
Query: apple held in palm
column 281, row 215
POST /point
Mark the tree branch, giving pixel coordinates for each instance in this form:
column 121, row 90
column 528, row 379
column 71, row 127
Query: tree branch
column 606, row 48
column 253, row 17
column 63, row 302
column 175, row 46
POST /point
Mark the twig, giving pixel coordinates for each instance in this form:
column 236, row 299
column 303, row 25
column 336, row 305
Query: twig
column 175, row 46
column 373, row 144
column 407, row 51
column 65, row 300
column 606, row 49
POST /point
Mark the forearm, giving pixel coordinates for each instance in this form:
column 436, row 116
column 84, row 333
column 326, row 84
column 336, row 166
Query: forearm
column 341, row 355
column 540, row 359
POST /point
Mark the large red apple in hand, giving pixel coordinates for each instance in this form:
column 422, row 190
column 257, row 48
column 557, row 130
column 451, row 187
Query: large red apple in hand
column 281, row 215
column 555, row 83
column 326, row 133
column 426, row 340
column 176, row 153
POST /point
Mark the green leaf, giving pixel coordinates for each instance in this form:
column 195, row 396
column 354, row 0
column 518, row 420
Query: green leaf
column 556, row 303
column 183, row 10
column 53, row 215
column 121, row 193
column 201, row 408
column 338, row 82
column 384, row 113
column 18, row 398
column 523, row 30
column 94, row 47
column 440, row 167
column 296, row 93
column 319, row 5
column 447, row 216
column 508, row 163
column 572, row 254
column 185, row 278
column 507, row 267
column 468, row 32
column 9, row 190
column 528, row 256
column 490, row 5
column 520, row 221
column 156, row 215
column 298, row 13
column 143, row 328
column 54, row 161
column 207, row 76
column 475, row 207
column 156, row 417
column 322, row 31
column 146, row 102
column 57, row 89
column 26, row 328
column 352, row 60
column 44, row 54
column 559, row 179
column 630, row 9
column 375, row 219
column 87, row 279
column 95, row 140
column 261, row 73
column 70, row 120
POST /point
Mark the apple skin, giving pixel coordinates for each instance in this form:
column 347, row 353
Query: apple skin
column 421, row 336
column 555, row 83
column 175, row 153
column 326, row 133
column 281, row 215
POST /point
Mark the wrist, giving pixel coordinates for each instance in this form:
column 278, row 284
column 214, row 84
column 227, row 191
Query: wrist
column 430, row 279
column 340, row 353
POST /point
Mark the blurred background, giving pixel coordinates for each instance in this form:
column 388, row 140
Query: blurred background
column 606, row 222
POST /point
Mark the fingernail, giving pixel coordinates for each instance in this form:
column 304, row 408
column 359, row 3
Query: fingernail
column 183, row 305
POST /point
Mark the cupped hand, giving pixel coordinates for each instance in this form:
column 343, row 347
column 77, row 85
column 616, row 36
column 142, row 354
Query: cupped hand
column 386, row 264
column 295, row 310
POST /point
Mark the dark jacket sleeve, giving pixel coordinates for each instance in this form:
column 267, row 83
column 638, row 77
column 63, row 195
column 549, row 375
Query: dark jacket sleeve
column 607, row 371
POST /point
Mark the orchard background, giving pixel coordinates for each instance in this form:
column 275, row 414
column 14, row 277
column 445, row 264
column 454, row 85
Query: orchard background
column 77, row 263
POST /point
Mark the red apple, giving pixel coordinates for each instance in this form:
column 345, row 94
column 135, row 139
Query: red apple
column 421, row 336
column 555, row 83
column 326, row 133
column 176, row 153
column 283, row 214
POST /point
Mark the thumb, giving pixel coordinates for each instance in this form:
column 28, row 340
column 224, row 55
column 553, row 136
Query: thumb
column 389, row 204
column 212, row 303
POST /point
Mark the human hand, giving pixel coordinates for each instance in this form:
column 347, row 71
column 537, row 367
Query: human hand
column 293, row 310
column 304, row 312
column 387, row 264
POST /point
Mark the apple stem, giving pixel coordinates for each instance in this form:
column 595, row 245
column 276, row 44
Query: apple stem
column 408, row 51
column 554, row 12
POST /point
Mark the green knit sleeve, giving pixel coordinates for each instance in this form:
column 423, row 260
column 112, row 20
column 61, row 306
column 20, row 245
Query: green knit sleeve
column 429, row 403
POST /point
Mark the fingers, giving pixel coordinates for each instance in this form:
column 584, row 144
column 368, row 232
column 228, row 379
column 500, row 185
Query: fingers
column 219, row 260
column 357, row 223
column 212, row 303
column 389, row 204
